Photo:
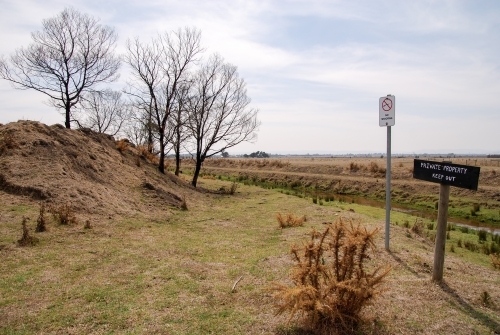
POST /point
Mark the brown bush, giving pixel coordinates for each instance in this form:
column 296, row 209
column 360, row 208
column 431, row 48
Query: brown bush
column 418, row 228
column 495, row 260
column 331, row 285
column 26, row 240
column 122, row 145
column 7, row 142
column 147, row 153
column 42, row 220
column 289, row 220
column 63, row 214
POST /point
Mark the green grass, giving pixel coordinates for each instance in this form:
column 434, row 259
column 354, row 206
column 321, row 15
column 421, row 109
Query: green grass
column 172, row 274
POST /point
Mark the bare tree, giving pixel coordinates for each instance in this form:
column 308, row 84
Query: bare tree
column 159, row 69
column 103, row 112
column 71, row 55
column 178, row 122
column 219, row 114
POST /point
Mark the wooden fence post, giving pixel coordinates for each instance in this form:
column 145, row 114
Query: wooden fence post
column 444, row 197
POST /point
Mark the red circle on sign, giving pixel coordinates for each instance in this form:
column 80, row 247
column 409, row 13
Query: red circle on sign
column 387, row 104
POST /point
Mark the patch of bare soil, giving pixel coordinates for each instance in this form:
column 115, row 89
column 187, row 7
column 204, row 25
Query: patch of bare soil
column 81, row 168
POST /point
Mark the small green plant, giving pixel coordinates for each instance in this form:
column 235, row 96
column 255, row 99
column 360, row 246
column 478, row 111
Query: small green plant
column 452, row 248
column 430, row 226
column 471, row 246
column 464, row 230
column 448, row 235
column 459, row 243
column 315, row 200
column 482, row 235
column 26, row 240
column 406, row 224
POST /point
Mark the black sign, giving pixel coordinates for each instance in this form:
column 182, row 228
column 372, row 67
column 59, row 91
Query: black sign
column 463, row 176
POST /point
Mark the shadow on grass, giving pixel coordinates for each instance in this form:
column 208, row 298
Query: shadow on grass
column 404, row 265
column 480, row 316
column 372, row 327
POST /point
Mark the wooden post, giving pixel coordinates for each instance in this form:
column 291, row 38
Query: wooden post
column 444, row 197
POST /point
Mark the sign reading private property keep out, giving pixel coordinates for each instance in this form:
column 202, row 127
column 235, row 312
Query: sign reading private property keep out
column 462, row 176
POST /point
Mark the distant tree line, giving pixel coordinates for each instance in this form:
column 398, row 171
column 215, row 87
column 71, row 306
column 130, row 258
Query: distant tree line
column 175, row 99
column 257, row 154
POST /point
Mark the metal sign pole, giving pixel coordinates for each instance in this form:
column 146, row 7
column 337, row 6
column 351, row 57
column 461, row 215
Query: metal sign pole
column 388, row 190
column 387, row 116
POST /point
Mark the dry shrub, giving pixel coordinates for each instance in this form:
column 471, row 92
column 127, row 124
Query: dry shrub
column 184, row 205
column 41, row 221
column 230, row 190
column 418, row 228
column 26, row 240
column 495, row 260
column 290, row 221
column 63, row 214
column 87, row 225
column 374, row 167
column 122, row 145
column 7, row 142
column 354, row 167
column 331, row 285
column 147, row 154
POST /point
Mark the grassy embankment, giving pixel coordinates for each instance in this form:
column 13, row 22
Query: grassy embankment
column 175, row 274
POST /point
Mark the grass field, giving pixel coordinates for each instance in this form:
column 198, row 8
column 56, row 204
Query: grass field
column 175, row 274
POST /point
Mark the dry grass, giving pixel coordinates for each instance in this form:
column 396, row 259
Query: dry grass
column 331, row 284
column 289, row 220
column 7, row 142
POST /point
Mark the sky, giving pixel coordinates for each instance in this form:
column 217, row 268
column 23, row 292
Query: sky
column 316, row 69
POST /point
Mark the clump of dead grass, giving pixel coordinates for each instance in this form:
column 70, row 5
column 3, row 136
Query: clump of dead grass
column 184, row 205
column 122, row 145
column 26, row 240
column 331, row 285
column 63, row 214
column 147, row 153
column 231, row 190
column 7, row 141
column 289, row 220
column 418, row 228
column 495, row 260
column 41, row 221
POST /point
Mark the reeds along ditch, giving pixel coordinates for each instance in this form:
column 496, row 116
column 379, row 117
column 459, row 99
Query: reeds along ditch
column 330, row 282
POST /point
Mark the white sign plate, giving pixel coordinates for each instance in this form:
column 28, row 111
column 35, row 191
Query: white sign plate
column 386, row 111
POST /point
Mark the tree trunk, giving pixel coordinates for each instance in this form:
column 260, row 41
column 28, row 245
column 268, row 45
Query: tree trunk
column 196, row 171
column 177, row 155
column 68, row 113
column 161, row 164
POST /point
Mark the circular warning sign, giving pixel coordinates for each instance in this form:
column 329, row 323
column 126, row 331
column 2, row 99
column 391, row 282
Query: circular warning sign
column 387, row 104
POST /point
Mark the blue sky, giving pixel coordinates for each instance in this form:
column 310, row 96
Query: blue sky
column 316, row 69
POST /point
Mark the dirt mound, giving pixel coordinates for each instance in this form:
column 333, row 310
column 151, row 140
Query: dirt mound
column 83, row 169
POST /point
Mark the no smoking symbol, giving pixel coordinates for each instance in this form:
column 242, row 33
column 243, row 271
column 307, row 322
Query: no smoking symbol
column 387, row 104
